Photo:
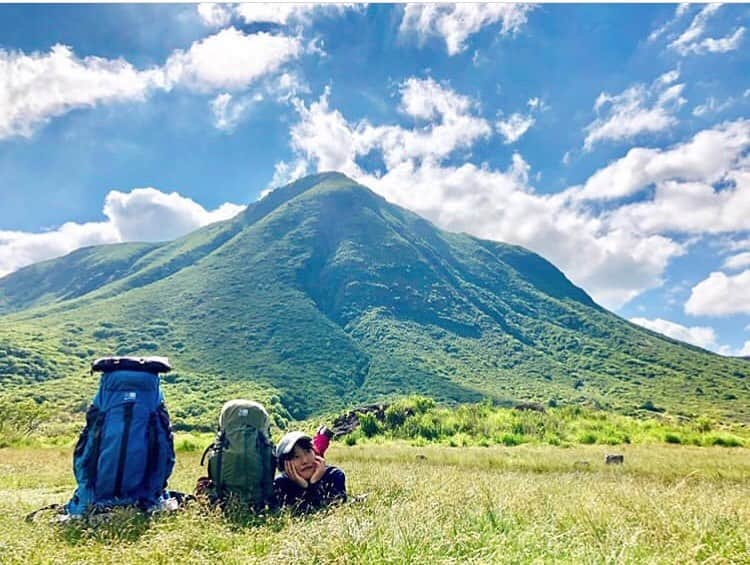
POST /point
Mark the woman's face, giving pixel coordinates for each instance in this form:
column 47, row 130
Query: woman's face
column 303, row 461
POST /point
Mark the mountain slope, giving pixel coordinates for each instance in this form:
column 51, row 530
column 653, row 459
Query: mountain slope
column 323, row 294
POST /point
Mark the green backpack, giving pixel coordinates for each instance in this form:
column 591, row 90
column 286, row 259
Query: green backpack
column 241, row 461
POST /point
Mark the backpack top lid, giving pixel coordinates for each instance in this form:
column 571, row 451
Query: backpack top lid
column 144, row 364
column 241, row 412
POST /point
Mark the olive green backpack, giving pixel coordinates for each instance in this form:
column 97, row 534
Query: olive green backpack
column 241, row 461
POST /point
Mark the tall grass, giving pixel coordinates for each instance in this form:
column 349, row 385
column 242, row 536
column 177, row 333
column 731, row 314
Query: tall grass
column 666, row 504
column 421, row 421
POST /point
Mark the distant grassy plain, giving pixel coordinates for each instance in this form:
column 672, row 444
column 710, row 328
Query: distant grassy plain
column 429, row 504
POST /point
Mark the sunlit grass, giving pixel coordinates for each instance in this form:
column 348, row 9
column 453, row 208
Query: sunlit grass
column 666, row 504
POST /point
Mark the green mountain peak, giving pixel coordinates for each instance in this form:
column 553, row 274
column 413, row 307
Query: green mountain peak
column 323, row 294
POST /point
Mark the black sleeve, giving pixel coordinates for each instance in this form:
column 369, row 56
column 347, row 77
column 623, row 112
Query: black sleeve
column 331, row 488
column 286, row 492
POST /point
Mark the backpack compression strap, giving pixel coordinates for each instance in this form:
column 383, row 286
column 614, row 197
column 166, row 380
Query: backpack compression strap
column 93, row 459
column 123, row 449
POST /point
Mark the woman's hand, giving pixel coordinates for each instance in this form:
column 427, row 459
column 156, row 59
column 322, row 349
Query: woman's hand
column 291, row 472
column 320, row 469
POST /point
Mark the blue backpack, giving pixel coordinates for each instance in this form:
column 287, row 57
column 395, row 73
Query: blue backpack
column 125, row 454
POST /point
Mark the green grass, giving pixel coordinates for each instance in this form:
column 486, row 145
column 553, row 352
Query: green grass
column 433, row 504
column 420, row 420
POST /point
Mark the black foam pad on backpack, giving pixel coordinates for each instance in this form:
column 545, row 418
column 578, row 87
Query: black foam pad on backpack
column 145, row 364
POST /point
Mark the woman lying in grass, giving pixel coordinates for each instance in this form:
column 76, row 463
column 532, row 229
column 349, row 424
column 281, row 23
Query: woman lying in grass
column 306, row 482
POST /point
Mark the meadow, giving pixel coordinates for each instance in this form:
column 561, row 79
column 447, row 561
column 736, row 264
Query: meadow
column 422, row 504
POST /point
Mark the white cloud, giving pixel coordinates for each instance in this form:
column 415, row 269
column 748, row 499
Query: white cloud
column 637, row 110
column 691, row 207
column 722, row 45
column 492, row 204
column 214, row 15
column 712, row 106
column 144, row 214
column 456, row 22
column 426, row 99
column 701, row 336
column 514, row 127
column 690, row 40
column 219, row 15
column 737, row 244
column 38, row 87
column 284, row 173
column 679, row 12
column 19, row 249
column 231, row 59
column 707, row 158
column 227, row 110
column 326, row 137
column 720, row 295
column 35, row 88
column 745, row 351
column 736, row 262
column 285, row 14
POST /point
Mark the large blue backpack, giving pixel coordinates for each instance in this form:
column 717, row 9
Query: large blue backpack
column 125, row 454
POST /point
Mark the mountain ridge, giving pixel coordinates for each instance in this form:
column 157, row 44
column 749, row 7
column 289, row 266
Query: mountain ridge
column 323, row 294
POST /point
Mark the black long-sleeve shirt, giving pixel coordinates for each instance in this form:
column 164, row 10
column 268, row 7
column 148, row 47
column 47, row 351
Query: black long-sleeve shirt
column 329, row 489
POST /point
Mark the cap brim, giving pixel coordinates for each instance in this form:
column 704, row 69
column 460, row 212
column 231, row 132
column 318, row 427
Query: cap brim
column 288, row 442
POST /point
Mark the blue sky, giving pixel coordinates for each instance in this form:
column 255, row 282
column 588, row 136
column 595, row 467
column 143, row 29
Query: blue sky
column 612, row 139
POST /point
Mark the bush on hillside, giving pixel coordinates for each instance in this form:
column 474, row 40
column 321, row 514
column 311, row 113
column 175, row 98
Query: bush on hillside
column 21, row 419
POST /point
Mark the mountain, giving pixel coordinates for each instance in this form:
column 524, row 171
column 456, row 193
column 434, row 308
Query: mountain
column 323, row 294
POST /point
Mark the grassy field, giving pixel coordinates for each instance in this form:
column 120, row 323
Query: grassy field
column 436, row 504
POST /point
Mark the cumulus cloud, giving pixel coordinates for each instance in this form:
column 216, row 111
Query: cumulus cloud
column 220, row 15
column 214, row 15
column 143, row 214
column 736, row 262
column 325, row 136
column 639, row 109
column 720, row 295
column 692, row 40
column 285, row 14
column 701, row 336
column 456, row 22
column 489, row 203
column 38, row 87
column 707, row 158
column 231, row 59
column 692, row 207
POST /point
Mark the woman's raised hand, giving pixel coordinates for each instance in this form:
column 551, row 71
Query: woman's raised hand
column 320, row 469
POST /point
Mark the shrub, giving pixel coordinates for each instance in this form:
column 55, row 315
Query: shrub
column 672, row 438
column 703, row 424
column 369, row 424
column 725, row 441
column 187, row 445
column 21, row 419
column 396, row 414
column 587, row 438
column 511, row 439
